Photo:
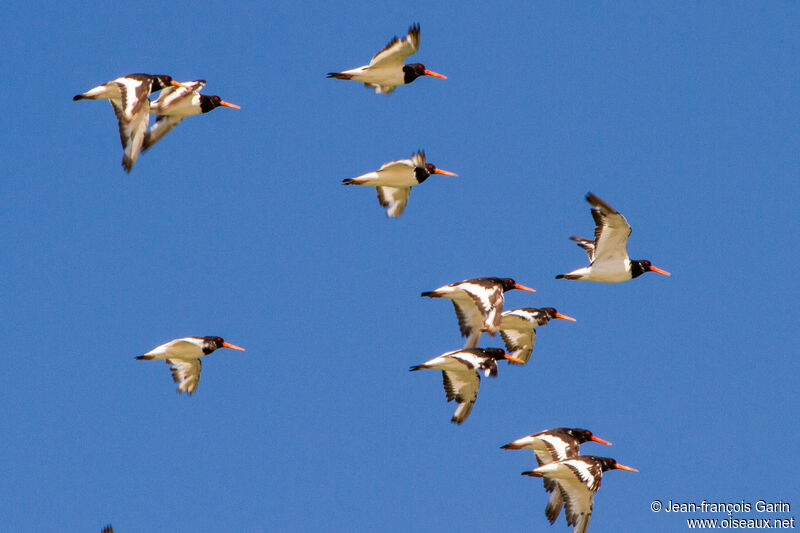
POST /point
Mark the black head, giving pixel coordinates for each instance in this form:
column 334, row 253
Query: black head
column 207, row 103
column 161, row 81
column 607, row 463
column 212, row 343
column 507, row 284
column 640, row 266
column 548, row 312
column 494, row 353
column 581, row 435
column 413, row 71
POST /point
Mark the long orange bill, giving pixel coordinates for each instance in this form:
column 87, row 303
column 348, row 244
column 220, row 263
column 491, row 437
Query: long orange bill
column 434, row 74
column 515, row 360
column 565, row 317
column 228, row 104
column 628, row 468
column 662, row 272
column 601, row 441
column 178, row 84
column 523, row 288
column 232, row 346
column 445, row 172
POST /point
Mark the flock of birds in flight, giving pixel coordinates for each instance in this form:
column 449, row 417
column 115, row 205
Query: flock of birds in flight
column 570, row 478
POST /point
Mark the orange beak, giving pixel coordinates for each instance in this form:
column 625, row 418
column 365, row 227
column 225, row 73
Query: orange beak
column 515, row 360
column 628, row 468
column 232, row 346
column 662, row 272
column 565, row 317
column 434, row 74
column 601, row 441
column 523, row 288
column 177, row 84
column 228, row 104
column 445, row 172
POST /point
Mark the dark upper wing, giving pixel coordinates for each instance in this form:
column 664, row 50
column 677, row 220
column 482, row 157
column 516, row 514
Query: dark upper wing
column 396, row 52
column 461, row 386
column 586, row 244
column 611, row 231
column 162, row 126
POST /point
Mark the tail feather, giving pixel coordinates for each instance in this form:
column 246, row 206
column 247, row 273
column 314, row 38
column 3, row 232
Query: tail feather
column 511, row 446
column 417, row 367
column 568, row 276
column 532, row 473
column 145, row 357
column 430, row 294
column 78, row 97
column 339, row 75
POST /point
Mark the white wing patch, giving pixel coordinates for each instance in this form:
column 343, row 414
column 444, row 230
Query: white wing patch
column 157, row 131
column 611, row 232
column 186, row 373
column 131, row 131
column 461, row 386
column 394, row 199
column 396, row 52
column 518, row 333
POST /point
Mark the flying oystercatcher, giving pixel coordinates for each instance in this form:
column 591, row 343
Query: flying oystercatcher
column 460, row 374
column 129, row 96
column 386, row 69
column 518, row 328
column 184, row 355
column 394, row 180
column 478, row 303
column 554, row 445
column 608, row 253
column 578, row 479
column 175, row 104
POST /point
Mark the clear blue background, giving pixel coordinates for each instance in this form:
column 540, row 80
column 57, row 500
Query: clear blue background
column 683, row 117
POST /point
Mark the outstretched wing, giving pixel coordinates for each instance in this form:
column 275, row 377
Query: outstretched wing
column 381, row 89
column 186, row 373
column 518, row 334
column 394, row 199
column 611, row 231
column 587, row 245
column 396, row 52
column 131, row 130
column 162, row 126
column 461, row 386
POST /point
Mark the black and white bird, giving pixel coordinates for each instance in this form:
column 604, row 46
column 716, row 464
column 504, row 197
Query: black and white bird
column 394, row 180
column 578, row 479
column 175, row 104
column 387, row 70
column 554, row 445
column 184, row 355
column 608, row 253
column 130, row 98
column 478, row 303
column 518, row 328
column 460, row 374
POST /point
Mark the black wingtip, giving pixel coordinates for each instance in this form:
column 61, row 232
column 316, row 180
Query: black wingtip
column 530, row 473
column 77, row 97
column 144, row 357
column 415, row 368
column 429, row 294
column 560, row 276
column 348, row 181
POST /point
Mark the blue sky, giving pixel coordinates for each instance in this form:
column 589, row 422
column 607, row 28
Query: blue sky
column 684, row 118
